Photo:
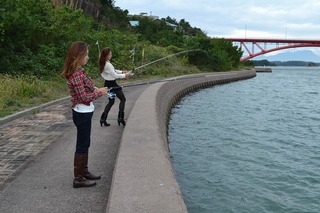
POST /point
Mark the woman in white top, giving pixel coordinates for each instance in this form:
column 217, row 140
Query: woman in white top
column 110, row 74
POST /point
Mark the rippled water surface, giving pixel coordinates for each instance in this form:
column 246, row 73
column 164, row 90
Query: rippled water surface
column 250, row 146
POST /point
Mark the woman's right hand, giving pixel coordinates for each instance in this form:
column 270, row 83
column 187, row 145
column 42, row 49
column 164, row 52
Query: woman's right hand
column 127, row 73
column 104, row 90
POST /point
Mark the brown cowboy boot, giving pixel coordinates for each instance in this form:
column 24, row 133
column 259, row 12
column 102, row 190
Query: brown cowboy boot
column 79, row 179
column 87, row 174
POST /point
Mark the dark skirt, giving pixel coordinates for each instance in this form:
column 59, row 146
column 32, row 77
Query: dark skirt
column 110, row 83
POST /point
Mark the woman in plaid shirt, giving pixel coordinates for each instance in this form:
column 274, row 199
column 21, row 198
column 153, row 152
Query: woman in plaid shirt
column 82, row 92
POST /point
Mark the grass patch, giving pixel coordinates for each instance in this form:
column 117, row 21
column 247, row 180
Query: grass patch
column 21, row 92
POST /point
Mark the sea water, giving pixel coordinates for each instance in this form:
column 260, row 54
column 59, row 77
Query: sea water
column 250, row 146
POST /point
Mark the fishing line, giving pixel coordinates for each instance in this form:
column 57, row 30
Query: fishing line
column 165, row 80
column 160, row 59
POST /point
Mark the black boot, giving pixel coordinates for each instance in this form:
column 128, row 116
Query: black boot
column 103, row 119
column 86, row 173
column 79, row 179
column 121, row 118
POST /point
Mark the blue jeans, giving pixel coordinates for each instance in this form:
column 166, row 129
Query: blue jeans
column 83, row 123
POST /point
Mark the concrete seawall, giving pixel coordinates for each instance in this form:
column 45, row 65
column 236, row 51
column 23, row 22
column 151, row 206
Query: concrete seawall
column 143, row 178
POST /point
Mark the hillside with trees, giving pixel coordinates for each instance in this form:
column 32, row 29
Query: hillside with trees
column 35, row 36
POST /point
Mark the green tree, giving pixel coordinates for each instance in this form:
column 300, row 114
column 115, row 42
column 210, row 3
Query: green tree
column 112, row 16
column 109, row 3
column 36, row 35
column 217, row 55
column 24, row 24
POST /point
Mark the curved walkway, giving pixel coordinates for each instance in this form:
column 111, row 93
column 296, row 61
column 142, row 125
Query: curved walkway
column 36, row 154
column 143, row 180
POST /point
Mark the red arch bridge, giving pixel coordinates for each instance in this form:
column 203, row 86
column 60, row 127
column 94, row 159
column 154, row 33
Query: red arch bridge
column 260, row 46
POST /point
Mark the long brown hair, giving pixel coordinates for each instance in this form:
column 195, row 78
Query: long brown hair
column 102, row 60
column 77, row 51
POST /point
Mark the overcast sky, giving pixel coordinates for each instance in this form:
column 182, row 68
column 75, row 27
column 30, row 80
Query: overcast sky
column 281, row 19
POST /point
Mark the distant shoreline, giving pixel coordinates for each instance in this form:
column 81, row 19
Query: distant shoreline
column 285, row 63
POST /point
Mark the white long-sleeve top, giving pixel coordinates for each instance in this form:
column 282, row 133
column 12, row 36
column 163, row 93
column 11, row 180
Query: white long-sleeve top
column 109, row 73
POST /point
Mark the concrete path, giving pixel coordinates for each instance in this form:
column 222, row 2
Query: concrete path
column 36, row 159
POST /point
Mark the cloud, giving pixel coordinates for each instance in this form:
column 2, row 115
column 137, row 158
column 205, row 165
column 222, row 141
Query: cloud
column 226, row 18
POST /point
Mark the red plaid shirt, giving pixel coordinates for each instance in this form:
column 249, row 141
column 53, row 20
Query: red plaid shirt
column 81, row 88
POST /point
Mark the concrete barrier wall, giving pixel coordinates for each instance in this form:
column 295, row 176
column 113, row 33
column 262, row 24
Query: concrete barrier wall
column 143, row 179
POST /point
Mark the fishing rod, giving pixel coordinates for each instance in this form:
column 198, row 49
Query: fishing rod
column 160, row 59
column 155, row 61
column 111, row 92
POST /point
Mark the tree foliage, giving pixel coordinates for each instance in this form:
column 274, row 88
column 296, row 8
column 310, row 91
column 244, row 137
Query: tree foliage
column 35, row 36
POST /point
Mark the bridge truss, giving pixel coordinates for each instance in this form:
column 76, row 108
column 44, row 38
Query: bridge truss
column 261, row 45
